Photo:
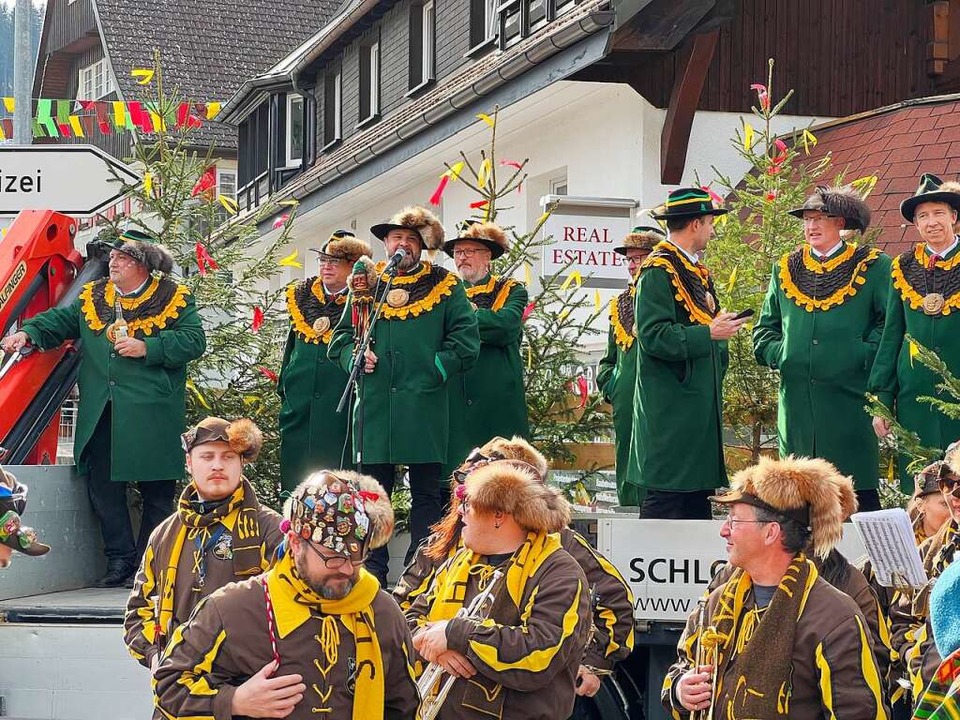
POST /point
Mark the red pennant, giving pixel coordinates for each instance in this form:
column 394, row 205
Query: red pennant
column 268, row 374
column 512, row 163
column 528, row 310
column 205, row 261
column 762, row 95
column 583, row 388
column 438, row 193
column 206, row 182
column 479, row 204
column 257, row 319
column 280, row 222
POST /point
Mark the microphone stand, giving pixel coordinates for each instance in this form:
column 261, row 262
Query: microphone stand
column 355, row 380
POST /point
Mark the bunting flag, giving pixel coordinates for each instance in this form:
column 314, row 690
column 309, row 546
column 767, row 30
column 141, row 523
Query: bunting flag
column 573, row 277
column 291, row 260
column 487, row 119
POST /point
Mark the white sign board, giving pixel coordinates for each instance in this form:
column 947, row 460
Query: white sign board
column 669, row 563
column 584, row 232
column 72, row 179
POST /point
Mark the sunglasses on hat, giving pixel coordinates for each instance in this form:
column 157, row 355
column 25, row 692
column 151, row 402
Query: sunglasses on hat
column 948, row 482
column 476, row 459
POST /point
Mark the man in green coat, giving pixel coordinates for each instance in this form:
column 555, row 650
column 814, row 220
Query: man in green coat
column 313, row 436
column 820, row 327
column 924, row 303
column 139, row 330
column 488, row 399
column 426, row 335
column 677, row 440
column 617, row 373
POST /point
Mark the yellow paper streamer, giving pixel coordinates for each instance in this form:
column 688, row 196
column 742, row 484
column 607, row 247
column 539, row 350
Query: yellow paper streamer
column 229, row 204
column 573, row 277
column 289, row 202
column 213, row 109
column 529, row 357
column 891, row 474
column 596, row 301
column 291, row 260
column 747, row 136
column 76, row 126
column 143, row 76
column 9, row 104
column 809, row 140
column 148, row 183
column 483, row 174
column 732, row 281
column 527, row 274
column 563, row 313
column 865, row 184
column 196, row 391
column 914, row 351
column 487, row 119
column 454, row 172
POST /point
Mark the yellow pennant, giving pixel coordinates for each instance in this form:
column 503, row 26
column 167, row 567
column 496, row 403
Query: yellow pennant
column 732, row 281
column 914, row 351
column 119, row 114
column 573, row 277
column 483, row 174
column 747, row 136
column 563, row 313
column 196, row 391
column 142, row 75
column 865, row 184
column 454, row 171
column 213, row 109
column 596, row 301
column 147, row 183
column 9, row 104
column 229, row 204
column 291, row 260
column 76, row 126
column 527, row 275
column 158, row 122
column 809, row 140
column 487, row 119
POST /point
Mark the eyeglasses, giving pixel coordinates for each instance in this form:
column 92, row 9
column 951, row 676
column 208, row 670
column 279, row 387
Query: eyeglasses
column 466, row 252
column 331, row 261
column 731, row 521
column 948, row 482
column 336, row 561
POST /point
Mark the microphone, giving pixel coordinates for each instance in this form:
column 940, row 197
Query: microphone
column 395, row 260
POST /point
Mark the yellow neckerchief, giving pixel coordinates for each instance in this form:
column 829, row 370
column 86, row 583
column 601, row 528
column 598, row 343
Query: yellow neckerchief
column 169, row 580
column 453, row 577
column 294, row 603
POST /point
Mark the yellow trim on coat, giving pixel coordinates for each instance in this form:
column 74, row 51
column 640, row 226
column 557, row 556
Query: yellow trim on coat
column 439, row 291
column 834, row 299
column 621, row 337
column 300, row 325
column 145, row 325
column 911, row 296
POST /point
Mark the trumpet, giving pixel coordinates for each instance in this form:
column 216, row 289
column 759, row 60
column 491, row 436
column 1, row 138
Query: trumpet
column 433, row 692
column 700, row 657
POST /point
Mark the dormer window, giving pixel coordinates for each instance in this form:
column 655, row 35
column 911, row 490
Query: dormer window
column 370, row 81
column 294, row 130
column 422, row 44
column 94, row 81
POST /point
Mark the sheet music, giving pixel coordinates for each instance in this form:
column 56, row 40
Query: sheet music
column 889, row 541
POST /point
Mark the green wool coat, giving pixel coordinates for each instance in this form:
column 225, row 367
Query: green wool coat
column 824, row 352
column 146, row 394
column 900, row 382
column 617, row 380
column 419, row 346
column 677, row 442
column 488, row 399
column 313, row 435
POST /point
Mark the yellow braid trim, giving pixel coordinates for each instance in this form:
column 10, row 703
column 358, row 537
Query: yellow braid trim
column 441, row 290
column 502, row 296
column 814, row 265
column 920, row 254
column 623, row 339
column 482, row 289
column 299, row 322
column 145, row 325
column 835, row 299
column 501, row 299
column 911, row 296
column 425, row 268
column 697, row 315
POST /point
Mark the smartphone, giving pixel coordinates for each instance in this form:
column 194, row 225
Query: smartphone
column 743, row 314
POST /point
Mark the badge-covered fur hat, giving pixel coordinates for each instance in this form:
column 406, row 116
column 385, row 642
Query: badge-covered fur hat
column 488, row 234
column 806, row 490
column 243, row 436
column 416, row 218
column 13, row 533
column 514, row 487
column 843, row 202
column 345, row 512
column 642, row 237
column 344, row 245
column 143, row 248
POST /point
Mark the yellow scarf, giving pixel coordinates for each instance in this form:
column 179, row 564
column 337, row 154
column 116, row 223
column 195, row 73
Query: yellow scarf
column 453, row 577
column 292, row 602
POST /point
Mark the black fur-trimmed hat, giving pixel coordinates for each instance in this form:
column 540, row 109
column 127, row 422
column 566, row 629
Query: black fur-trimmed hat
column 843, row 202
column 141, row 247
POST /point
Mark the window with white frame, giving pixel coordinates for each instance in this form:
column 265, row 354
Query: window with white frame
column 294, row 130
column 422, row 43
column 483, row 21
column 370, row 81
column 94, row 81
column 227, row 183
column 332, row 110
column 558, row 185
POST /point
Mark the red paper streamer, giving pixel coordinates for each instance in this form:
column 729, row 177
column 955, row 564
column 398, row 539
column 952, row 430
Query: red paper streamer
column 479, row 204
column 205, row 261
column 512, row 163
column 268, row 374
column 206, row 182
column 438, row 193
column 528, row 311
column 762, row 95
column 257, row 319
column 280, row 222
column 583, row 388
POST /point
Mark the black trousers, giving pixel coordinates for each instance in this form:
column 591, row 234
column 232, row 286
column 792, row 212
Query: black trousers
column 109, row 500
column 427, row 502
column 669, row 505
column 868, row 500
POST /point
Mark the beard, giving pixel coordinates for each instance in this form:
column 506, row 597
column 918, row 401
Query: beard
column 329, row 588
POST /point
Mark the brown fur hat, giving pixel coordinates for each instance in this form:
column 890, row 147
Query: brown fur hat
column 513, row 487
column 806, row 490
column 842, row 201
column 487, row 234
column 516, row 448
column 309, row 505
column 644, row 237
column 243, row 435
column 415, row 218
column 952, row 457
column 344, row 245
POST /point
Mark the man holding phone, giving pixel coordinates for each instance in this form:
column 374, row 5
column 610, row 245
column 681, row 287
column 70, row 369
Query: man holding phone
column 820, row 326
column 676, row 449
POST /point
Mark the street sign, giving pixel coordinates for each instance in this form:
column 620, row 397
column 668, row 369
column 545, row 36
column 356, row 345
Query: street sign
column 72, row 179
